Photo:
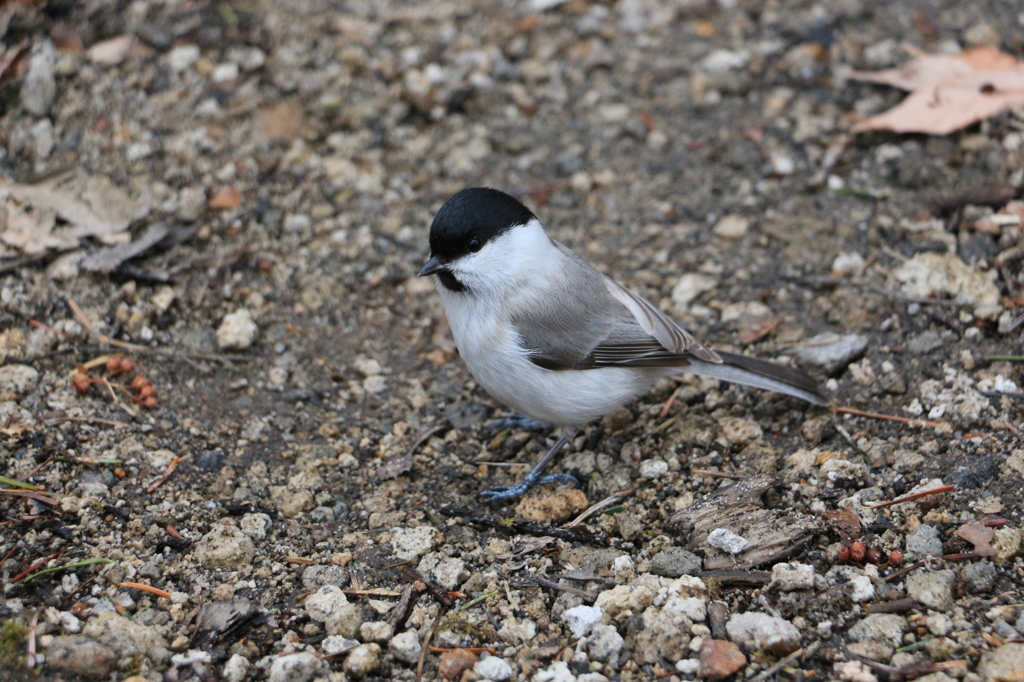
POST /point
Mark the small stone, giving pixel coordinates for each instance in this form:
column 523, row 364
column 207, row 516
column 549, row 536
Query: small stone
column 847, row 264
column 290, row 502
column 582, row 619
column 81, row 656
column 675, row 562
column 652, row 469
column 1005, row 664
column 556, row 672
column 182, row 57
column 300, row 667
column 885, row 628
column 692, row 608
column 236, row 669
column 127, row 638
column 854, row 671
column 70, row 623
column 755, row 631
column 861, row 589
column 548, row 509
column 16, row 379
column 934, row 589
column 621, row 598
column 1007, row 543
column 831, row 352
column 929, row 273
column 873, row 651
column 322, row 604
column 406, row 646
column 924, row 542
column 256, row 526
column 727, row 541
column 739, row 430
column 604, row 643
column 720, row 659
column 689, row 287
column 39, row 88
column 191, row 204
column 319, row 576
column 362, row 660
column 455, row 662
column 979, row 577
column 448, row 572
column 376, row 631
column 794, row 576
column 410, row 544
column 939, row 624
column 731, row 227
column 345, row 621
column 493, row 668
column 225, row 72
column 225, row 547
column 336, row 644
column 237, row 331
column 518, row 631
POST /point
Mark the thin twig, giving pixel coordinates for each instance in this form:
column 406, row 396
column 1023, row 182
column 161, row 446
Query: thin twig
column 147, row 588
column 890, row 417
column 911, row 497
column 921, row 564
column 167, row 474
column 594, row 508
column 771, row 670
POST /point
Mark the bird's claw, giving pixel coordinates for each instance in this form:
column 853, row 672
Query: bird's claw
column 515, row 421
column 508, row 493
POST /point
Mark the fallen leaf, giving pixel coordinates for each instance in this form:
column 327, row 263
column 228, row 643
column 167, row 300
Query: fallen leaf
column 947, row 92
column 59, row 213
column 845, row 522
column 111, row 52
column 281, row 121
column 979, row 535
column 226, row 198
column 753, row 329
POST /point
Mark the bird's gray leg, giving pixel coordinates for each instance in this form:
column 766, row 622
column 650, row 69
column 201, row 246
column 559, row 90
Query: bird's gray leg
column 516, row 421
column 535, row 477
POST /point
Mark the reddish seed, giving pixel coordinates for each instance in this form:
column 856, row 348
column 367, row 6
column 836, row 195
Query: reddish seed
column 81, row 382
column 844, row 554
column 858, row 550
column 147, row 391
column 140, row 381
column 149, row 402
column 874, row 556
column 127, row 365
column 895, row 557
column 114, row 365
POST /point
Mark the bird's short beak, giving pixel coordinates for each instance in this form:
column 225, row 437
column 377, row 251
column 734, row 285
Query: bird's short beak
column 433, row 265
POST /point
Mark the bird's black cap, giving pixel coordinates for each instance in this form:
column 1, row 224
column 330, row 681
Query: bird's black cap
column 479, row 213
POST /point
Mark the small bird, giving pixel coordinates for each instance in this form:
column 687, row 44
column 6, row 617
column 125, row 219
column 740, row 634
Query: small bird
column 551, row 337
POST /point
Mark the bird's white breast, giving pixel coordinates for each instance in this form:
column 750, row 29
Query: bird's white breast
column 481, row 322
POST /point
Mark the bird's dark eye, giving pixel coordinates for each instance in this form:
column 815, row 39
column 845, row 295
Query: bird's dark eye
column 475, row 245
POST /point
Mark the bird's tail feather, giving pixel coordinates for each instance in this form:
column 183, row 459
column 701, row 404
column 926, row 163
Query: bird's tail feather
column 743, row 369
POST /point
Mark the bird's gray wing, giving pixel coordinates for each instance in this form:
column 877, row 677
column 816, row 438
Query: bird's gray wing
column 657, row 324
column 587, row 320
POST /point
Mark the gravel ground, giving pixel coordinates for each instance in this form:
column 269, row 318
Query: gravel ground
column 292, row 453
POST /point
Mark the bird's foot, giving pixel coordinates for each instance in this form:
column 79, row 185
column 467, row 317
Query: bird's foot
column 509, row 493
column 515, row 421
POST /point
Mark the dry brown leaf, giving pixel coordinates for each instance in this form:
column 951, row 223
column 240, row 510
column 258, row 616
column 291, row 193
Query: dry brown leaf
column 947, row 92
column 281, row 121
column 226, row 198
column 979, row 535
column 59, row 213
column 111, row 52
